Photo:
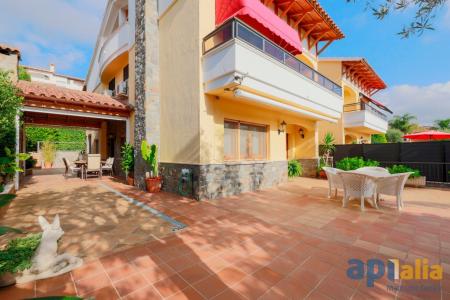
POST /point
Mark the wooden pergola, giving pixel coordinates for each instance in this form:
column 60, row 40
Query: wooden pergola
column 363, row 75
column 310, row 19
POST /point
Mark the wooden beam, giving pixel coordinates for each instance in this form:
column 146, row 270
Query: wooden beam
column 302, row 16
column 324, row 47
column 320, row 36
column 287, row 9
column 310, row 30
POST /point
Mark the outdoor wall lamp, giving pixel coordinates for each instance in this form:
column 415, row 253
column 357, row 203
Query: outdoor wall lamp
column 302, row 133
column 282, row 127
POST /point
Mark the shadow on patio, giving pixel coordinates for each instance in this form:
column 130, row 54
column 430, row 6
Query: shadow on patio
column 286, row 242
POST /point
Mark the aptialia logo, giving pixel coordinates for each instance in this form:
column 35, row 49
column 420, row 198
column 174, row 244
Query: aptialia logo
column 375, row 269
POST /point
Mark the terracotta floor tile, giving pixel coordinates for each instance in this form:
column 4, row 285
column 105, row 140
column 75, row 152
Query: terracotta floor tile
column 210, row 286
column 170, row 285
column 229, row 294
column 157, row 273
column 230, row 275
column 194, row 274
column 113, row 261
column 88, row 269
column 92, row 283
column 50, row 284
column 145, row 293
column 187, row 294
column 130, row 284
column 121, row 272
column 268, row 276
column 68, row 289
column 18, row 291
column 251, row 287
column 106, row 293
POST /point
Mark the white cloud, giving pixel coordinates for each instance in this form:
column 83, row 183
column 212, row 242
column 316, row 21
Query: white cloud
column 427, row 103
column 52, row 31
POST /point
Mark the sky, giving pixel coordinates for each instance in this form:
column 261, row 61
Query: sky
column 417, row 70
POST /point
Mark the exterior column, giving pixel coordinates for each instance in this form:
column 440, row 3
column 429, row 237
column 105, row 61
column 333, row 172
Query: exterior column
column 147, row 107
column 103, row 140
column 316, row 140
column 127, row 131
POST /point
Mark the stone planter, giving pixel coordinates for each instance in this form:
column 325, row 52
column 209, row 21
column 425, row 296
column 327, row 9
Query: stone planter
column 417, row 182
column 7, row 279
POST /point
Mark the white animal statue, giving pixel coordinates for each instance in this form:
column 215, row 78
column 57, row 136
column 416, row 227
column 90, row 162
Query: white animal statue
column 46, row 262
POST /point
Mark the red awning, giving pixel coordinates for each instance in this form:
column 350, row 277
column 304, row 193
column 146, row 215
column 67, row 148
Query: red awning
column 262, row 19
column 428, row 135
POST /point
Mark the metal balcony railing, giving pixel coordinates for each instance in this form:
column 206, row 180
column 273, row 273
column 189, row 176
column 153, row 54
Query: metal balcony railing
column 358, row 106
column 236, row 29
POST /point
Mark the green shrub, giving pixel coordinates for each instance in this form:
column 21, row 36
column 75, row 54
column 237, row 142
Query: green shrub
column 395, row 169
column 295, row 168
column 353, row 163
column 127, row 158
column 150, row 155
column 378, row 139
column 17, row 255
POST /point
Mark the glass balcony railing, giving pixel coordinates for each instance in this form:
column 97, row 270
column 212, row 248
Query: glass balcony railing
column 236, row 29
column 358, row 106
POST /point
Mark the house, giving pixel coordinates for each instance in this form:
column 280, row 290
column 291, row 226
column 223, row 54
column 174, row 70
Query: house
column 362, row 115
column 50, row 76
column 231, row 90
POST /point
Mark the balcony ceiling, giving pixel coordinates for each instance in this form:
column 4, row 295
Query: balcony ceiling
column 310, row 16
column 360, row 72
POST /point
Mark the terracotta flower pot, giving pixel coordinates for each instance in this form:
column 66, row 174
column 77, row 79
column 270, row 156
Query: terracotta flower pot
column 48, row 165
column 153, row 184
column 130, row 180
column 322, row 174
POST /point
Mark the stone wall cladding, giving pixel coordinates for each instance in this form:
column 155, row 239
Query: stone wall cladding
column 139, row 116
column 213, row 181
column 309, row 166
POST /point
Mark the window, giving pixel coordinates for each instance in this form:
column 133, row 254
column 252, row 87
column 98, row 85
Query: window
column 243, row 141
column 125, row 73
column 112, row 84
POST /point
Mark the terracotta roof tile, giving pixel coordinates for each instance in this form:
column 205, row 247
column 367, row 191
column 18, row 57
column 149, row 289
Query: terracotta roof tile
column 55, row 93
column 10, row 49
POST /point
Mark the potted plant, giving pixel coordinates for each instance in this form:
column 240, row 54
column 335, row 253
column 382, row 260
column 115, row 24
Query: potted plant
column 327, row 148
column 48, row 151
column 30, row 163
column 128, row 162
column 320, row 172
column 295, row 168
column 150, row 155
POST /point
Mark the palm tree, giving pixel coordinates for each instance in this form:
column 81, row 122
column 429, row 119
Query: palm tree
column 443, row 124
column 405, row 123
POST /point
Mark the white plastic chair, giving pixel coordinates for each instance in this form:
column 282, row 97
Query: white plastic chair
column 357, row 186
column 374, row 169
column 108, row 166
column 334, row 181
column 71, row 168
column 393, row 185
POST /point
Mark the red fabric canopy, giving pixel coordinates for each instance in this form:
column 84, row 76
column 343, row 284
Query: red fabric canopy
column 262, row 19
column 428, row 135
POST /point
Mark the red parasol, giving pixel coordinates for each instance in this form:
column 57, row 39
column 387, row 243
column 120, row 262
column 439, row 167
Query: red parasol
column 428, row 135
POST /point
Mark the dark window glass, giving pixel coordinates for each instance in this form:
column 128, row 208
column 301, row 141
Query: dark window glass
column 125, row 73
column 112, row 84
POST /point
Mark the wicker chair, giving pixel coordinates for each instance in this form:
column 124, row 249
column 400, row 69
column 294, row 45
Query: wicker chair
column 393, row 185
column 334, row 181
column 357, row 186
column 94, row 166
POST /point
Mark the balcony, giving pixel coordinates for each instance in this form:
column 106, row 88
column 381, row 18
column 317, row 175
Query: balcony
column 365, row 117
column 237, row 56
column 116, row 44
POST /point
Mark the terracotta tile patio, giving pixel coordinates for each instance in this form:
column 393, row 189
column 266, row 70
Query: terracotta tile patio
column 290, row 242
